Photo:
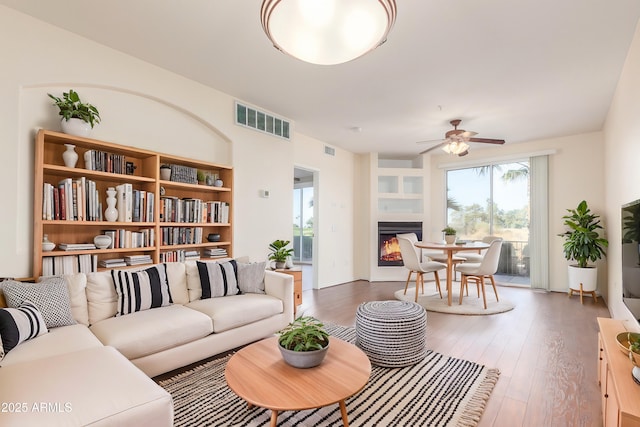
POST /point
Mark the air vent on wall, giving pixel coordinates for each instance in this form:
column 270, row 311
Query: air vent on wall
column 263, row 122
column 329, row 150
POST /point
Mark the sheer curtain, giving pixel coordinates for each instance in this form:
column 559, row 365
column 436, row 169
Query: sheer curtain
column 539, row 223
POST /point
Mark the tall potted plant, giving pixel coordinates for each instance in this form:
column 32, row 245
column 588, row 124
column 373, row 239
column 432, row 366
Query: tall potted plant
column 78, row 118
column 583, row 244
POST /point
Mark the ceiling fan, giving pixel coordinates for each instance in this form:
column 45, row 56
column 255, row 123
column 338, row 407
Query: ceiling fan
column 455, row 141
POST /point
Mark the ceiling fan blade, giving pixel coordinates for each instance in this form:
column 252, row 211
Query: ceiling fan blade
column 487, row 140
column 430, row 140
column 434, row 147
column 464, row 153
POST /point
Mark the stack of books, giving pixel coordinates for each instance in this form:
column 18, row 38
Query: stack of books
column 215, row 252
column 115, row 262
column 137, row 259
column 76, row 246
column 191, row 255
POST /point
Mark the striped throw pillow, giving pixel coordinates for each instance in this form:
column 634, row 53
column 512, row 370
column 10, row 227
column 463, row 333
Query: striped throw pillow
column 20, row 324
column 218, row 279
column 141, row 290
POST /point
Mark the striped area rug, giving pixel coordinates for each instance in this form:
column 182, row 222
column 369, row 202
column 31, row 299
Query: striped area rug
column 439, row 391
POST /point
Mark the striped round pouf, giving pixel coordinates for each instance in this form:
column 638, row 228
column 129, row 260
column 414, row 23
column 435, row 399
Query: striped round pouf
column 392, row 333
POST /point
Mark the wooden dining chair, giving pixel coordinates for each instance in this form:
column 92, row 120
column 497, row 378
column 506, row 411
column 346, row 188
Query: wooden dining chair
column 411, row 261
column 479, row 271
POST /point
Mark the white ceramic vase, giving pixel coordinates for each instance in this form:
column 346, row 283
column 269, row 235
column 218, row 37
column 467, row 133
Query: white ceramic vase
column 111, row 213
column 77, row 127
column 69, row 156
column 47, row 245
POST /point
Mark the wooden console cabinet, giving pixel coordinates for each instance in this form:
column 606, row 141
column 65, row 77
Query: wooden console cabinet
column 296, row 272
column 620, row 394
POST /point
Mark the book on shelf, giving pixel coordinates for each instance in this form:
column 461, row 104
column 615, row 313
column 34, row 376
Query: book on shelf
column 124, row 202
column 103, row 161
column 138, row 259
column 115, row 262
column 69, row 264
column 215, row 252
column 76, row 246
column 71, row 200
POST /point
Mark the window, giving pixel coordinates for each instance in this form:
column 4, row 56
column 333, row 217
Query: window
column 493, row 200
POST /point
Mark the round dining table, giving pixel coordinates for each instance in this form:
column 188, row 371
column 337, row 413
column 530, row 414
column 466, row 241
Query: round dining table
column 451, row 249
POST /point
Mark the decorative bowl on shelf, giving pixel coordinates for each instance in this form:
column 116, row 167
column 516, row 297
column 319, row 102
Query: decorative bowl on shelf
column 213, row 237
column 624, row 340
column 102, row 241
column 47, row 246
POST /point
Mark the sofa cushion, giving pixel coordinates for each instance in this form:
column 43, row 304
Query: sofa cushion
column 251, row 277
column 237, row 310
column 93, row 387
column 177, row 278
column 218, row 279
column 65, row 339
column 102, row 299
column 50, row 296
column 141, row 290
column 151, row 331
column 20, row 324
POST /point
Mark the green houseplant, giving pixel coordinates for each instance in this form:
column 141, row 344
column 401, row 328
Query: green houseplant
column 303, row 342
column 71, row 107
column 582, row 243
column 279, row 252
column 449, row 234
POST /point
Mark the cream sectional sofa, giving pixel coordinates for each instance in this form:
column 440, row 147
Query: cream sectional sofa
column 97, row 372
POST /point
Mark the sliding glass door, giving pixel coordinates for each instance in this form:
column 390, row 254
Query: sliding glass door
column 494, row 200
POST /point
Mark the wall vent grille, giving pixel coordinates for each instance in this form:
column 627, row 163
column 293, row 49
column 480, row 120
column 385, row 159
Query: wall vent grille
column 261, row 121
column 329, row 150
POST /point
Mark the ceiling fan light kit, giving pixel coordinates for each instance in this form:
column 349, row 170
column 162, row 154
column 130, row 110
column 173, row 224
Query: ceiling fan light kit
column 456, row 140
column 327, row 32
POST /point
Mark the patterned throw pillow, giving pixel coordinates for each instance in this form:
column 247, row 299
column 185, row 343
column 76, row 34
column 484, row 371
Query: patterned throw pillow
column 251, row 277
column 141, row 290
column 218, row 279
column 20, row 324
column 51, row 296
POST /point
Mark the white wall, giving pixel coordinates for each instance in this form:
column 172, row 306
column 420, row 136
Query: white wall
column 144, row 106
column 622, row 152
column 575, row 174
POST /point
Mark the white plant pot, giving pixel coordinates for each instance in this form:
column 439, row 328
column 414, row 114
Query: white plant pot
column 76, row 127
column 588, row 277
column 450, row 239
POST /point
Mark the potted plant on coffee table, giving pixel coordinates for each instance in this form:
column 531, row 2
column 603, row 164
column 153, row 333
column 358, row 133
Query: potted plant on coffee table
column 280, row 252
column 583, row 244
column 449, row 235
column 78, row 118
column 303, row 342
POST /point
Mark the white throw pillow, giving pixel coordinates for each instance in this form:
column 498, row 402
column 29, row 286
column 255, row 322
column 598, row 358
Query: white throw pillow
column 251, row 277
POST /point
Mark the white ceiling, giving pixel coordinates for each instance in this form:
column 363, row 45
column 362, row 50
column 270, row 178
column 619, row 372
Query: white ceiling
column 516, row 70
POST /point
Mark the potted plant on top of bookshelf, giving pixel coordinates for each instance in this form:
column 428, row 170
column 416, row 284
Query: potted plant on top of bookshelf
column 280, row 252
column 449, row 235
column 78, row 118
column 303, row 342
column 583, row 244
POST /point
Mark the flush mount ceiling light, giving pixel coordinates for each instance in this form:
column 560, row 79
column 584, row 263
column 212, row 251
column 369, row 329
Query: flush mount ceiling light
column 327, row 32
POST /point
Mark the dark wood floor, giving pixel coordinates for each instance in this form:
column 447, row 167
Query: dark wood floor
column 545, row 349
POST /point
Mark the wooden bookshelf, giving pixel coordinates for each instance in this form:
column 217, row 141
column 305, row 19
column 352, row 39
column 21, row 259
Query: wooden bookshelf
column 144, row 176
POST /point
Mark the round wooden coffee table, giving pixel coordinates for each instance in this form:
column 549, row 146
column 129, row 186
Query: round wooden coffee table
column 258, row 375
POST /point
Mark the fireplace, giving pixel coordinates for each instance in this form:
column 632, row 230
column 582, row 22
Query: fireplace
column 388, row 247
